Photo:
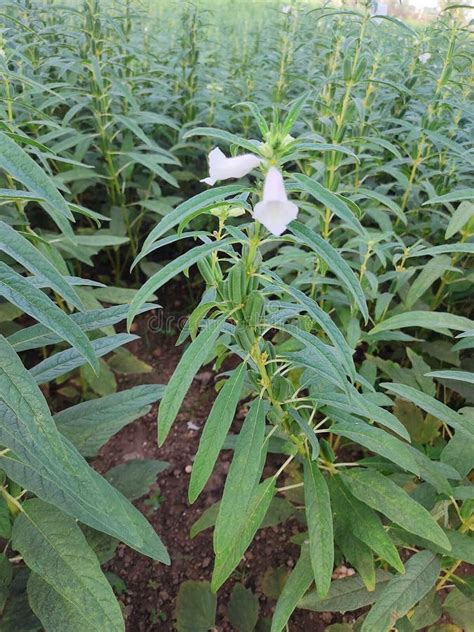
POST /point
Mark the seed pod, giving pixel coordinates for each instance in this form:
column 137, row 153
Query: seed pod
column 237, row 283
column 245, row 337
column 254, row 305
column 347, row 68
column 205, row 269
column 360, row 69
column 281, row 387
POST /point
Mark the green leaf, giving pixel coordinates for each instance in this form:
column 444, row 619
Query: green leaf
column 255, row 512
column 346, row 595
column 383, row 495
column 125, row 363
column 190, row 363
column 453, row 196
column 89, row 425
column 460, row 217
column 364, row 523
column 46, row 464
column 378, row 441
column 134, row 478
column 17, row 290
column 215, row 431
column 297, row 584
column 356, row 553
column 435, row 321
column 243, row 609
column 227, row 137
column 431, row 406
column 40, row 336
column 461, row 376
column 242, row 478
column 18, row 164
column 169, row 271
column 195, row 607
column 320, row 528
column 69, row 359
column 460, row 609
column 335, row 262
column 403, row 592
column 434, row 269
column 324, row 320
column 71, row 592
column 332, row 201
column 206, row 198
column 20, row 249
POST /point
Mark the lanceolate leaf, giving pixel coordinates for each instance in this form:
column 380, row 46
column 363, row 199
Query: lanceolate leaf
column 297, row 584
column 346, row 595
column 70, row 359
column 382, row 494
column 55, row 549
column 20, row 249
column 320, row 528
column 34, row 302
column 364, row 523
column 431, row 406
column 335, row 262
column 90, row 424
column 242, row 478
column 428, row 320
column 255, row 512
column 40, row 336
column 378, row 441
column 189, row 206
column 324, row 320
column 403, row 592
column 47, row 465
column 23, row 168
column 188, row 366
column 215, row 431
column 329, row 199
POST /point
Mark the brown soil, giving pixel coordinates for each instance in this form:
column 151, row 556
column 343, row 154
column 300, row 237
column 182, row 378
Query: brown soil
column 151, row 588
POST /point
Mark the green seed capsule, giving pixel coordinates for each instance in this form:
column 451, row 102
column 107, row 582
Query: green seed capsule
column 237, row 284
column 253, row 310
column 205, row 269
column 245, row 337
column 281, row 387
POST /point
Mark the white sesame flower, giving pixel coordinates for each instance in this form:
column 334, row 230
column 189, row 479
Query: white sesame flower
column 424, row 57
column 286, row 9
column 222, row 168
column 275, row 212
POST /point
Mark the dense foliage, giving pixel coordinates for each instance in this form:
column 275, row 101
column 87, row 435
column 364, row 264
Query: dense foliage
column 348, row 337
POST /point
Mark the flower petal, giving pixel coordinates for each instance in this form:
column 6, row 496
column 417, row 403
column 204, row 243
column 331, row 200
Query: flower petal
column 274, row 187
column 275, row 215
column 222, row 168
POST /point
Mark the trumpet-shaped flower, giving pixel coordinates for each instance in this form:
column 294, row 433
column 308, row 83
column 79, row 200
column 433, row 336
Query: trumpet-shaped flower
column 275, row 212
column 222, row 168
column 424, row 57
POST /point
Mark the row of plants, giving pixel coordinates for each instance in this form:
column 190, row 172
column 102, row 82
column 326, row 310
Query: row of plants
column 336, row 299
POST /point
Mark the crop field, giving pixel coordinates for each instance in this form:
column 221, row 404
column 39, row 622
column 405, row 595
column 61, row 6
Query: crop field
column 236, row 317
